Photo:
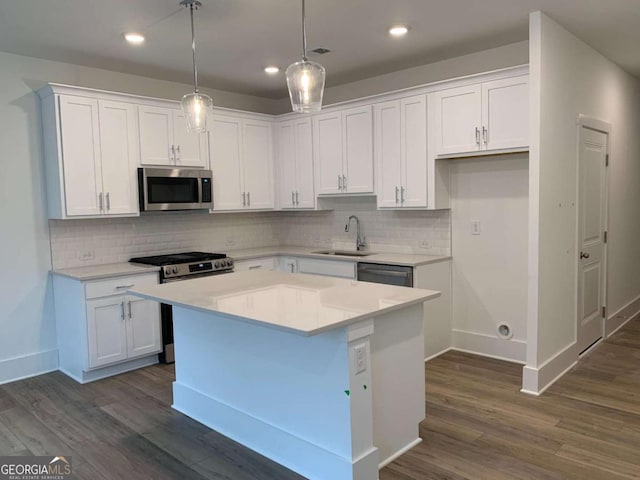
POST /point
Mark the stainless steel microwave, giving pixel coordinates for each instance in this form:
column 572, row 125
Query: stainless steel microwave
column 161, row 189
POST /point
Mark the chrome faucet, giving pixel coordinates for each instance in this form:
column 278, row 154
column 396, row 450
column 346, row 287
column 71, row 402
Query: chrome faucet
column 360, row 241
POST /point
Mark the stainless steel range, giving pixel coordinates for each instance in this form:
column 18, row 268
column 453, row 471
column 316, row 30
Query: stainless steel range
column 182, row 266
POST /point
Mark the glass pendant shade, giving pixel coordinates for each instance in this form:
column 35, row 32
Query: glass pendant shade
column 196, row 108
column 305, row 80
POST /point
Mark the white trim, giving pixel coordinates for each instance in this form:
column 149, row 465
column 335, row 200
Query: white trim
column 594, row 124
column 109, row 371
column 623, row 316
column 482, row 153
column 19, row 368
column 300, row 455
column 536, row 380
column 399, row 453
column 489, row 346
column 431, row 357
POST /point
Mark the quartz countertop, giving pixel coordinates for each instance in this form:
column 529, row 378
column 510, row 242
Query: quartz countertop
column 301, row 304
column 96, row 272
column 404, row 259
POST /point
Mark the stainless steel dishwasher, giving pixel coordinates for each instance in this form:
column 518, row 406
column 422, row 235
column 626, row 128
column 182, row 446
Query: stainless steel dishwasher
column 388, row 274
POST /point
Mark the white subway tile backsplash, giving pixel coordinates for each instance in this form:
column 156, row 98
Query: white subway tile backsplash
column 118, row 239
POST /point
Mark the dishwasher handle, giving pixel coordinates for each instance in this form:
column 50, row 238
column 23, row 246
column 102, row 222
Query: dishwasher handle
column 386, row 273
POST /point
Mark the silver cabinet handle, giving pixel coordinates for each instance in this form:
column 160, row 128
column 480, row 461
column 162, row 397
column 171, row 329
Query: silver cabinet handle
column 108, row 201
column 255, row 267
column 178, row 154
column 477, row 136
column 244, row 199
column 129, row 309
column 401, row 194
column 297, row 199
column 339, row 182
column 485, row 134
column 100, row 201
column 119, row 287
column 397, row 193
column 248, row 198
column 344, row 182
column 293, row 197
column 122, row 305
column 173, row 153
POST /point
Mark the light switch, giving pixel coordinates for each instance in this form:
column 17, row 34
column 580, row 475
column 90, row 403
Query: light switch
column 475, row 227
column 360, row 357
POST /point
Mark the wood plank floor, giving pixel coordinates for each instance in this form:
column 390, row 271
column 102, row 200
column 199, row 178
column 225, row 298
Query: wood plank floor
column 478, row 426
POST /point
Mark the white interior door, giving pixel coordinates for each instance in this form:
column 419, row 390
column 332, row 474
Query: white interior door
column 591, row 227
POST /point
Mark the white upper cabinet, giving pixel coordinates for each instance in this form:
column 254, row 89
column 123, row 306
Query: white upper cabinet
column 490, row 116
column 242, row 163
column 91, row 156
column 401, row 152
column 295, row 164
column 165, row 141
column 343, row 151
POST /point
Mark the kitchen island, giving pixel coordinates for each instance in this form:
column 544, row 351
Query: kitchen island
column 322, row 375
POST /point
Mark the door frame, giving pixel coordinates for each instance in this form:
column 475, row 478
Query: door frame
column 592, row 123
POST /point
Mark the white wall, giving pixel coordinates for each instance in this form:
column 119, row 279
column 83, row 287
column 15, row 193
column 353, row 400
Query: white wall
column 569, row 78
column 484, row 61
column 489, row 270
column 27, row 341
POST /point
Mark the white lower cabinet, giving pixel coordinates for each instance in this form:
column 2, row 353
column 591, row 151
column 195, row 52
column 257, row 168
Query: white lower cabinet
column 101, row 330
column 329, row 268
column 261, row 263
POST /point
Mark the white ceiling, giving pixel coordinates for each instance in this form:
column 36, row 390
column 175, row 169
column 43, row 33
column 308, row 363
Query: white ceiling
column 237, row 38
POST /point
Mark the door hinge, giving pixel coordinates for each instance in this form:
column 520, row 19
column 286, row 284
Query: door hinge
column 606, row 160
column 606, row 236
column 604, row 312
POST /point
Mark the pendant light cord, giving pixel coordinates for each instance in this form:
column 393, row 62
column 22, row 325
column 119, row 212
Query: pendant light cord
column 193, row 49
column 304, row 34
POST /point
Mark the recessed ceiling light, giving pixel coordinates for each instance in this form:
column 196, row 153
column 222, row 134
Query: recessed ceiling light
column 271, row 70
column 134, row 38
column 398, row 30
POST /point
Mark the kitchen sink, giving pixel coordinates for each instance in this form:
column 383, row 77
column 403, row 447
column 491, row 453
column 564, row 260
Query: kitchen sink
column 344, row 253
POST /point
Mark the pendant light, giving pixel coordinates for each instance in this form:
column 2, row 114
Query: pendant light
column 196, row 106
column 305, row 79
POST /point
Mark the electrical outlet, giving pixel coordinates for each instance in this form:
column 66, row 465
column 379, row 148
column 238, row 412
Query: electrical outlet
column 475, row 227
column 230, row 242
column 86, row 255
column 424, row 243
column 360, row 357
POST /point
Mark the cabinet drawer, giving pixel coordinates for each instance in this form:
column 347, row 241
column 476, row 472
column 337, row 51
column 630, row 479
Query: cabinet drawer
column 266, row 263
column 329, row 268
column 118, row 285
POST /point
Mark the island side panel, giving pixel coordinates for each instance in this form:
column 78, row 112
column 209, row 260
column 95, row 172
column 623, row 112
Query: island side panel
column 397, row 357
column 283, row 395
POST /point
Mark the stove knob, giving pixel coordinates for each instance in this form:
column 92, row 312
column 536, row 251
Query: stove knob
column 230, row 263
column 217, row 265
column 167, row 271
column 175, row 269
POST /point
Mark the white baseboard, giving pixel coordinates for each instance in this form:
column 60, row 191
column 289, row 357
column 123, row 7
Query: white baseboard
column 27, row 366
column 490, row 346
column 620, row 318
column 431, row 357
column 117, row 369
column 310, row 460
column 536, row 380
column 399, row 453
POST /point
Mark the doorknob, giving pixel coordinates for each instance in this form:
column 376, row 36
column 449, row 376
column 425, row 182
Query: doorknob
column 584, row 255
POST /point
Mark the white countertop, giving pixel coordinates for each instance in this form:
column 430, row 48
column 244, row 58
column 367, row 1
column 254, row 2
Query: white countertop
column 95, row 272
column 405, row 259
column 302, row 304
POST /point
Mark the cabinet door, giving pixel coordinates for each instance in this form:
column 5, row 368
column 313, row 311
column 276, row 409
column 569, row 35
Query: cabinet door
column 190, row 148
column 80, row 138
column 286, row 141
column 505, row 113
column 388, row 153
column 414, row 151
column 119, row 149
column 106, row 331
column 458, row 120
column 143, row 327
column 226, row 155
column 258, row 164
column 327, row 152
column 357, row 138
column 156, row 135
column 305, row 191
